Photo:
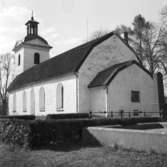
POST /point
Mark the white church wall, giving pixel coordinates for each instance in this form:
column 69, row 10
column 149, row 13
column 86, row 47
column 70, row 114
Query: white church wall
column 29, row 55
column 19, row 103
column 69, row 84
column 98, row 99
column 132, row 78
column 106, row 54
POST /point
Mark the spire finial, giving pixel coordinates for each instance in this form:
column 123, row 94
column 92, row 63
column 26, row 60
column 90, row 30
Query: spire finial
column 32, row 15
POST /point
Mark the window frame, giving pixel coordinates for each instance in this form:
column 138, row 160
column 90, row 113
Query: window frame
column 19, row 60
column 14, row 102
column 40, row 99
column 32, row 101
column 36, row 58
column 60, row 97
column 24, row 101
column 135, row 96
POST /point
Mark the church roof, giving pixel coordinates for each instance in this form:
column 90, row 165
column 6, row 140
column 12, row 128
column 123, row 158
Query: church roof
column 65, row 63
column 104, row 77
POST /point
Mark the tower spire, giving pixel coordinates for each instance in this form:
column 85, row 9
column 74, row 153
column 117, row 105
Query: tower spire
column 32, row 15
column 32, row 26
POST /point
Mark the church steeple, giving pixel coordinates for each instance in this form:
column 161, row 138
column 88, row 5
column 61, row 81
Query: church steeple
column 32, row 50
column 32, row 26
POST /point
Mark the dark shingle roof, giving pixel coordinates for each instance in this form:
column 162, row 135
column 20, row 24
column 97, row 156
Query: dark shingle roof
column 67, row 62
column 31, row 37
column 105, row 77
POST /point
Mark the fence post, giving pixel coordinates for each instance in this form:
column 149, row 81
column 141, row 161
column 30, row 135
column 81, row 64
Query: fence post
column 90, row 114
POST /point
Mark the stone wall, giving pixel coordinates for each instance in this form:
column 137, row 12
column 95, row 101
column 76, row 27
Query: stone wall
column 149, row 140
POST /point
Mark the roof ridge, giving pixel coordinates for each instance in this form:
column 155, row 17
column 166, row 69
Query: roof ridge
column 86, row 43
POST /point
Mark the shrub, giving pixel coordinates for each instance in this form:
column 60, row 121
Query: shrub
column 25, row 117
column 44, row 132
column 68, row 116
column 14, row 132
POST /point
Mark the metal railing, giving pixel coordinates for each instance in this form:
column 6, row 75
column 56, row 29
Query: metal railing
column 124, row 115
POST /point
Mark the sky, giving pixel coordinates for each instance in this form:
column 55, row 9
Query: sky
column 68, row 23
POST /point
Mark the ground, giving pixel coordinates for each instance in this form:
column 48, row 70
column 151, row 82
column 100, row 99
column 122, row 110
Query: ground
column 78, row 156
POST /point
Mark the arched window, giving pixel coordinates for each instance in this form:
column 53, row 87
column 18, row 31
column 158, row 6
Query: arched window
column 42, row 99
column 60, row 96
column 14, row 102
column 36, row 58
column 18, row 59
column 24, row 102
column 32, row 101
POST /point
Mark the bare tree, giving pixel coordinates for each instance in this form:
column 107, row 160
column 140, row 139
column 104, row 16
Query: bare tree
column 148, row 41
column 164, row 16
column 97, row 34
column 6, row 71
column 122, row 28
column 164, row 41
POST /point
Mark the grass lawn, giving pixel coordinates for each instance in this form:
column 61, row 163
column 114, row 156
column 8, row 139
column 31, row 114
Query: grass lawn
column 79, row 157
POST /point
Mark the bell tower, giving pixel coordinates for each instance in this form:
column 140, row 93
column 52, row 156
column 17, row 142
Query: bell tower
column 32, row 50
column 32, row 26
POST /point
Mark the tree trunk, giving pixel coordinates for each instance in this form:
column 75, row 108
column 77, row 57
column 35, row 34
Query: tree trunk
column 4, row 107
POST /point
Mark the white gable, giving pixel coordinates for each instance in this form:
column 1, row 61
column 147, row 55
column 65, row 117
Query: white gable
column 109, row 52
column 132, row 78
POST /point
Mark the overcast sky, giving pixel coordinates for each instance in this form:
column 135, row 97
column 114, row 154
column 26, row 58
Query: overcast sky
column 63, row 23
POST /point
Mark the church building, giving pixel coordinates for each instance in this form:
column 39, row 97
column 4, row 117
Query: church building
column 102, row 75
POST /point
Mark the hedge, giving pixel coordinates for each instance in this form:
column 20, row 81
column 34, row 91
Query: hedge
column 25, row 117
column 68, row 116
column 14, row 132
column 37, row 133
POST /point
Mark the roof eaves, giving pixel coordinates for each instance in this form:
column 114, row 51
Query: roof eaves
column 16, row 47
column 112, row 75
column 42, row 46
column 96, row 85
column 9, row 89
